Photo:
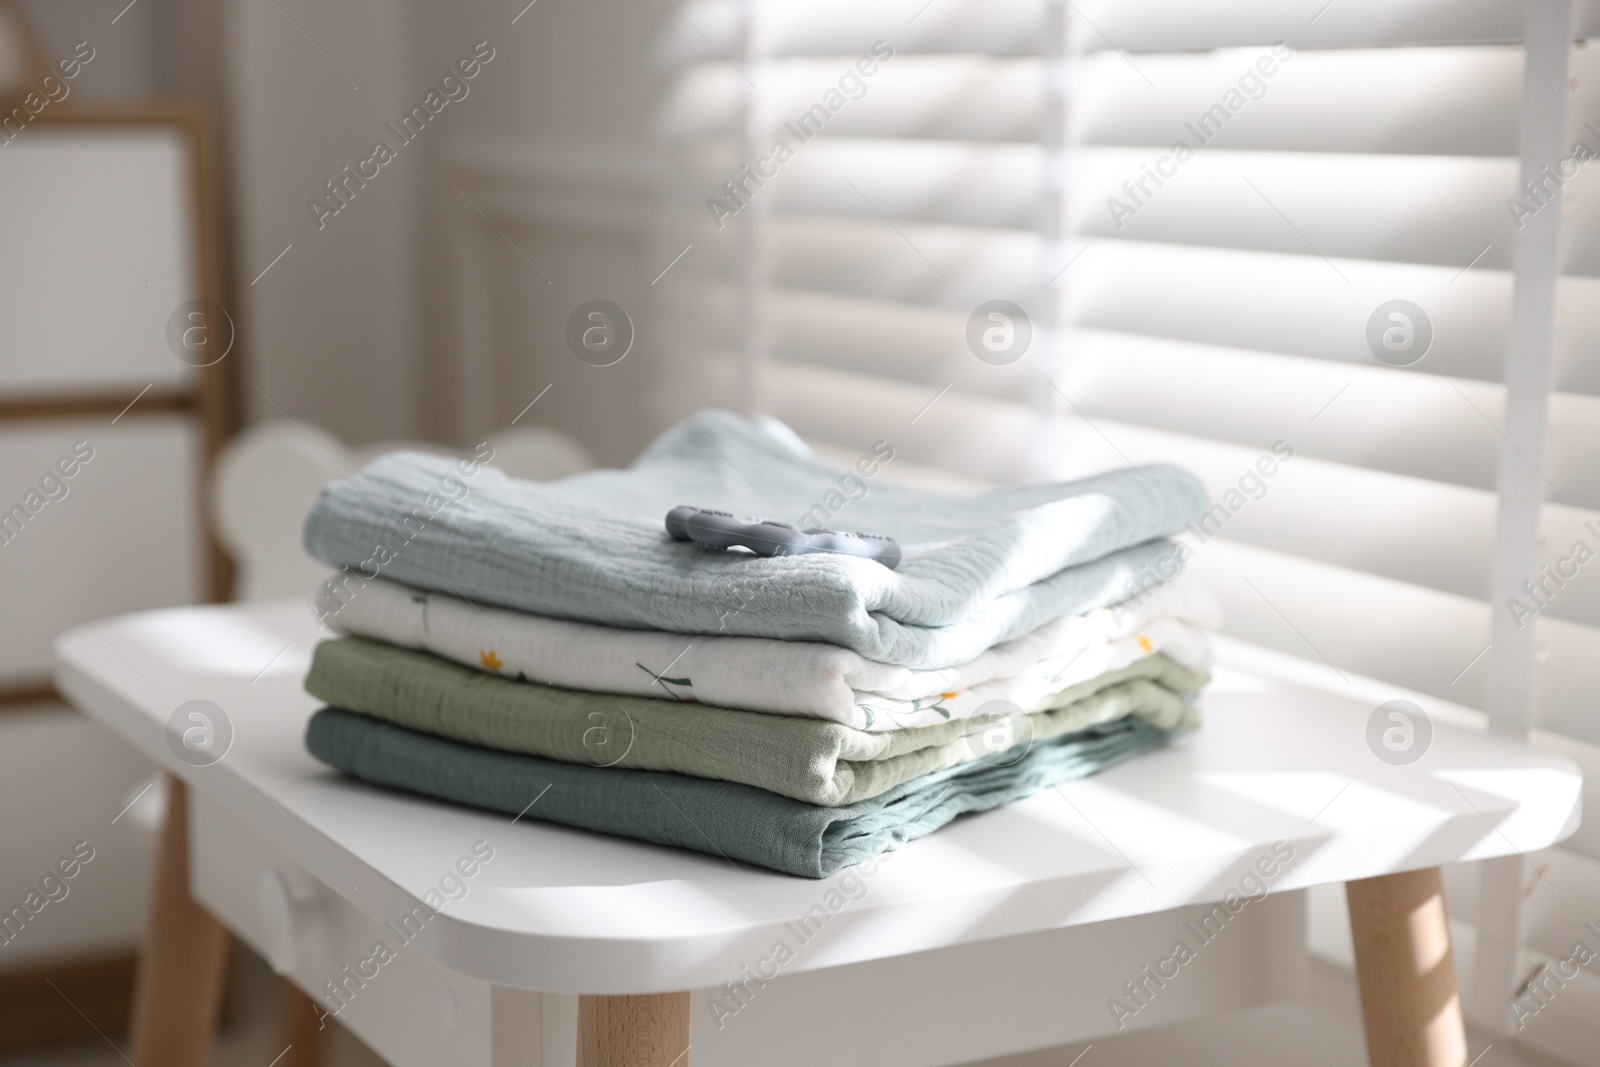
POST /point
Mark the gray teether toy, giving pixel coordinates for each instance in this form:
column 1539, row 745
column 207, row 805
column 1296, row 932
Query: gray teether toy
column 768, row 537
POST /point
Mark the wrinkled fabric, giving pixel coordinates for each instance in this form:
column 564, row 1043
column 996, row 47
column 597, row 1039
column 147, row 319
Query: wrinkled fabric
column 811, row 760
column 724, row 819
column 978, row 569
column 785, row 677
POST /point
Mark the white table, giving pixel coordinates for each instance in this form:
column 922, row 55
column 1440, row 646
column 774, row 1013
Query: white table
column 300, row 861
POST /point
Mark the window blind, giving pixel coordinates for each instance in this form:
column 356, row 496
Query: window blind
column 1248, row 236
column 844, row 286
column 1203, row 316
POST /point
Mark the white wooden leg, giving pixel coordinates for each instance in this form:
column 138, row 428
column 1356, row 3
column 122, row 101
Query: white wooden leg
column 536, row 1028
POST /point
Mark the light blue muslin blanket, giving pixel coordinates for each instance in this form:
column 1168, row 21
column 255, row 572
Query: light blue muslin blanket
column 978, row 568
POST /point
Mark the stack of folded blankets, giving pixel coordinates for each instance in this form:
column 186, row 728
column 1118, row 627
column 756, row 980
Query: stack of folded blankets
column 548, row 650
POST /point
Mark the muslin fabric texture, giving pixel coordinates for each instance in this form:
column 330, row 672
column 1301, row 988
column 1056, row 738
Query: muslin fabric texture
column 724, row 819
column 784, row 677
column 978, row 569
column 810, row 760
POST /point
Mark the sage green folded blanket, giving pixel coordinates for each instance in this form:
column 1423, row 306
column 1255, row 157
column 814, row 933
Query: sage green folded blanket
column 723, row 819
column 812, row 760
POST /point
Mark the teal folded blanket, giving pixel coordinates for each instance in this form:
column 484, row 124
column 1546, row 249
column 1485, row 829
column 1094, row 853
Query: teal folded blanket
column 726, row 819
column 978, row 568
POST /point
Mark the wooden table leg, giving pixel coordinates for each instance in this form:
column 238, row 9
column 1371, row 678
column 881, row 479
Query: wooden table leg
column 1407, row 976
column 183, row 964
column 647, row 1031
column 299, row 1026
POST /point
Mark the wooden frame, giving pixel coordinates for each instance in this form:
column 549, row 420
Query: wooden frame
column 211, row 401
column 212, row 398
column 33, row 68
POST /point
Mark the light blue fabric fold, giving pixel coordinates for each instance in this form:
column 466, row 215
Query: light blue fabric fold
column 978, row 568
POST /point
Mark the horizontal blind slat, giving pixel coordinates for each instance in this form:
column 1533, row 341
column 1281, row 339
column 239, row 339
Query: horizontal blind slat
column 936, row 98
column 1179, row 26
column 1348, row 620
column 1416, row 101
column 703, row 28
column 1376, row 417
column 1294, row 304
column 1443, row 211
column 867, row 258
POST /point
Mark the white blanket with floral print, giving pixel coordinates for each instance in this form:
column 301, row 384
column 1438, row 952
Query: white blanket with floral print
column 785, row 677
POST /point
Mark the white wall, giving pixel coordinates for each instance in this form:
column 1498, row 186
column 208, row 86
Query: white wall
column 63, row 782
column 329, row 332
column 124, row 65
column 361, row 326
column 553, row 147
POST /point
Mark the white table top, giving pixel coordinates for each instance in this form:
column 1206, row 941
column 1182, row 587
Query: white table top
column 564, row 910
